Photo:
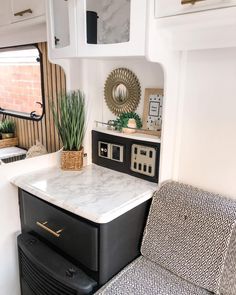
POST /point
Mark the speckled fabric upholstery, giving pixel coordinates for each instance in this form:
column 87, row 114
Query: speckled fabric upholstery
column 228, row 280
column 189, row 233
column 189, row 246
column 144, row 277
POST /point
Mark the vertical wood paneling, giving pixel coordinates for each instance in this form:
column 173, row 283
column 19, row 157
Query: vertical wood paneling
column 44, row 130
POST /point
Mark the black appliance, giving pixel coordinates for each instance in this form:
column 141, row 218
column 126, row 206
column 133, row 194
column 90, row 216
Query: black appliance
column 45, row 272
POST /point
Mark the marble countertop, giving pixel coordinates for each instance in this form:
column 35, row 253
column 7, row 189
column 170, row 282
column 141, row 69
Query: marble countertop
column 95, row 193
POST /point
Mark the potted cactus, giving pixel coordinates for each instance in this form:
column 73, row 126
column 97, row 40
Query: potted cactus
column 69, row 120
column 7, row 129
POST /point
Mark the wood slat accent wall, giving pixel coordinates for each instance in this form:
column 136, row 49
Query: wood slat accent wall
column 44, row 131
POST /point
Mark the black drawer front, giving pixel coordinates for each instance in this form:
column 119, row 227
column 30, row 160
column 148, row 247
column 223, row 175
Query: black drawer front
column 74, row 237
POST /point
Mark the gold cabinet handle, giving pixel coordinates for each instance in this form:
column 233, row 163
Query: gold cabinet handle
column 54, row 233
column 183, row 2
column 21, row 13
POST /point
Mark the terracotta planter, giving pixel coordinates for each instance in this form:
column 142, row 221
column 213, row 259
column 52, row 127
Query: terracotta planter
column 7, row 135
column 72, row 160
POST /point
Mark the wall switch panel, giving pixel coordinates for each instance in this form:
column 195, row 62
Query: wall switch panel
column 104, row 149
column 117, row 152
column 143, row 159
column 111, row 151
column 138, row 158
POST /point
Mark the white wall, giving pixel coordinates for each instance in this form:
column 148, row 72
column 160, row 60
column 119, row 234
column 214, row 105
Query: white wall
column 207, row 151
column 150, row 75
column 10, row 220
column 198, row 54
column 90, row 76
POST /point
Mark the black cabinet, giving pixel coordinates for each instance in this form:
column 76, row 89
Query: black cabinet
column 100, row 250
column 71, row 235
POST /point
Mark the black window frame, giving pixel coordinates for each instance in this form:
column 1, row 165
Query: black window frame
column 28, row 116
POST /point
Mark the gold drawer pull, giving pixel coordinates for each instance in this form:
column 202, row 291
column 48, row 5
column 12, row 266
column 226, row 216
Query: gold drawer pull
column 54, row 233
column 183, row 2
column 21, row 13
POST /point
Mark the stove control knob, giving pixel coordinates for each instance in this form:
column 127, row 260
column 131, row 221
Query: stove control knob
column 70, row 272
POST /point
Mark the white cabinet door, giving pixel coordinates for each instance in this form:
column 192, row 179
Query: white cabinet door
column 173, row 7
column 121, row 28
column 5, row 12
column 61, row 28
column 67, row 28
column 25, row 9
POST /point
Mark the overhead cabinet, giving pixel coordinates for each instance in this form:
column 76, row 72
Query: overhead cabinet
column 174, row 7
column 26, row 9
column 101, row 28
column 62, row 28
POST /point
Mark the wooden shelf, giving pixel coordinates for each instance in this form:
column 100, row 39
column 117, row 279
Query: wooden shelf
column 9, row 142
column 137, row 135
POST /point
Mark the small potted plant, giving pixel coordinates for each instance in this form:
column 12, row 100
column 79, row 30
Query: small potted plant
column 128, row 122
column 69, row 119
column 7, row 129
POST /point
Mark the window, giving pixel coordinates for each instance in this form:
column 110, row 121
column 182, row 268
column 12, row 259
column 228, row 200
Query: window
column 21, row 83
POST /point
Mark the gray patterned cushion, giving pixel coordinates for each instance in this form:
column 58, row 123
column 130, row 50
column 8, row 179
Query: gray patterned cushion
column 144, row 277
column 228, row 280
column 189, row 233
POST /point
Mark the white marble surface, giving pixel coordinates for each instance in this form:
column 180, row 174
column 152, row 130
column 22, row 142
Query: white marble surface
column 10, row 152
column 113, row 21
column 95, row 193
column 114, row 24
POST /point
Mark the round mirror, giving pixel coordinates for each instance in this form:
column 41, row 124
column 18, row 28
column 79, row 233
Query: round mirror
column 122, row 91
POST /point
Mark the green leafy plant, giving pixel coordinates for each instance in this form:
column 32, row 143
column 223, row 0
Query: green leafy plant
column 7, row 126
column 69, row 119
column 123, row 119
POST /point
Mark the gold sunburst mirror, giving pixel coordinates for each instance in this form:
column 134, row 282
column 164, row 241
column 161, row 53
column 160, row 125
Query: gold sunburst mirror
column 122, row 91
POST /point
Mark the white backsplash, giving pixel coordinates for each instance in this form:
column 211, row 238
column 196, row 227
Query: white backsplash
column 114, row 20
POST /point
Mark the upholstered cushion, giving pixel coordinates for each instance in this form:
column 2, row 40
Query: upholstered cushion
column 228, row 280
column 144, row 277
column 189, row 233
column 36, row 150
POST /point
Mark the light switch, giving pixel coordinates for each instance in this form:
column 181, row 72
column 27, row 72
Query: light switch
column 117, row 152
column 104, row 149
column 110, row 151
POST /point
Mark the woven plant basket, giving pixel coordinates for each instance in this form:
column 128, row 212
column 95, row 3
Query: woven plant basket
column 72, row 160
column 7, row 135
